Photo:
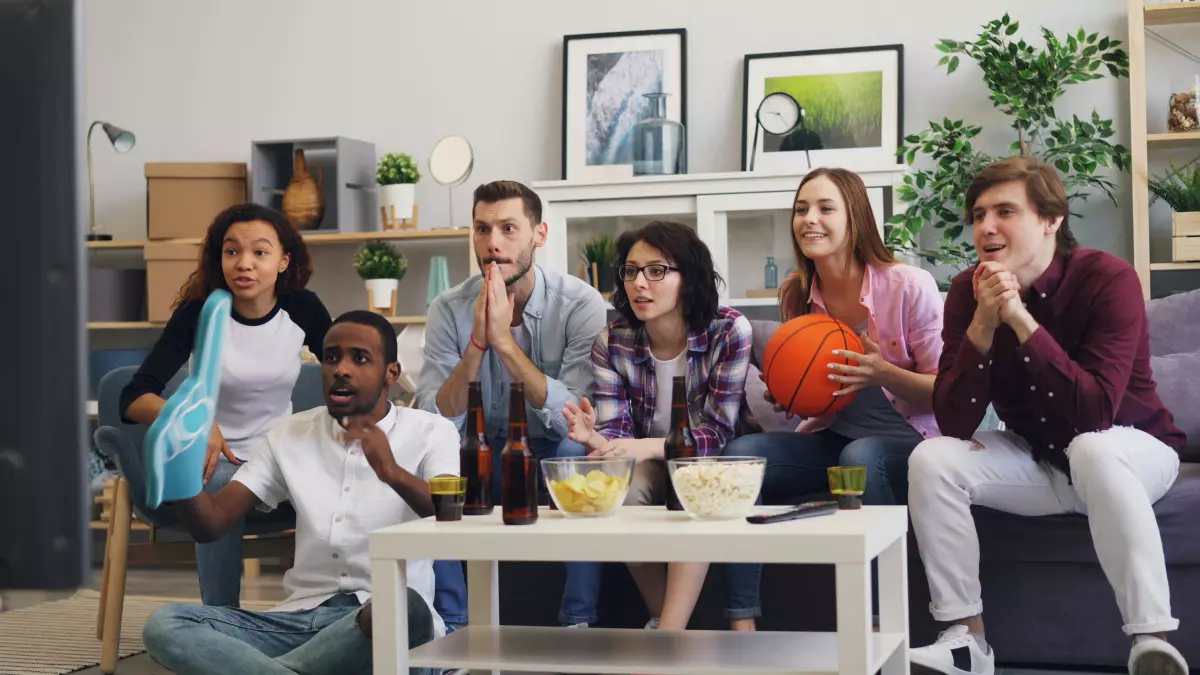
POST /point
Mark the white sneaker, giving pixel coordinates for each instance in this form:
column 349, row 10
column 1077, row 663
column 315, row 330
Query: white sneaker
column 652, row 624
column 956, row 652
column 1151, row 656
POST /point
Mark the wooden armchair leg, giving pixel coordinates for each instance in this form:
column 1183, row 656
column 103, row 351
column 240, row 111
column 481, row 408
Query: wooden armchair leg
column 108, row 545
column 114, row 578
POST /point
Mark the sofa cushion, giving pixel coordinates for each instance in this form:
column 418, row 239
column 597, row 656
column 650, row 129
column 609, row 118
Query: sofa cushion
column 1177, row 379
column 1066, row 538
column 1174, row 322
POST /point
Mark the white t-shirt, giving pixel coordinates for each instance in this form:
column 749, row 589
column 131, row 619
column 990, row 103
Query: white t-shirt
column 522, row 337
column 664, row 374
column 339, row 500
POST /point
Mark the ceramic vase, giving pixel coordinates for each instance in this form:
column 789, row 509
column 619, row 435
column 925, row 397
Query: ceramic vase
column 303, row 202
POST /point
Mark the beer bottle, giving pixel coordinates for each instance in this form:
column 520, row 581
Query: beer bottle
column 518, row 466
column 680, row 442
column 475, row 457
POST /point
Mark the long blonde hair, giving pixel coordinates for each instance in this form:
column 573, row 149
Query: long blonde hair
column 862, row 237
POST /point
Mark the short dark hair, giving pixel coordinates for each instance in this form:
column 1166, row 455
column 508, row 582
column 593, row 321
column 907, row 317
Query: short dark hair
column 1043, row 187
column 684, row 249
column 208, row 275
column 387, row 332
column 500, row 190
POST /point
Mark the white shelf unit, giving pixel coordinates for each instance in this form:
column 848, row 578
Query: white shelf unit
column 743, row 217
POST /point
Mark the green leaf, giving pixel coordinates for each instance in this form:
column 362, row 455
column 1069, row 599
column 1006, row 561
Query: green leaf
column 1012, row 29
column 1082, row 35
column 921, row 180
column 944, row 60
column 1063, row 165
column 958, row 145
column 912, row 139
column 953, row 65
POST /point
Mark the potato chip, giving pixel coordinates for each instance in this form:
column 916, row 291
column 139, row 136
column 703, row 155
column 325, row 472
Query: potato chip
column 595, row 492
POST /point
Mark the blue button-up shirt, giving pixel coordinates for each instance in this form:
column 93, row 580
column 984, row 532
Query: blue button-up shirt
column 564, row 315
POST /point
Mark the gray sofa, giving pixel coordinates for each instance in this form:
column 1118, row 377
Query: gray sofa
column 1045, row 597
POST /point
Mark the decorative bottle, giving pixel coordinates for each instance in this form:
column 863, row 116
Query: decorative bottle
column 771, row 273
column 658, row 143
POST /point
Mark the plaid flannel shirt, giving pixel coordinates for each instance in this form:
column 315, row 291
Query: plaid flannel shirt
column 717, row 362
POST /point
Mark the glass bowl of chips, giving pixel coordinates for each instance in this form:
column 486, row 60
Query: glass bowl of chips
column 717, row 488
column 588, row 486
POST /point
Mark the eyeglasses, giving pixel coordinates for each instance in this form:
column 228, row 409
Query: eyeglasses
column 652, row 272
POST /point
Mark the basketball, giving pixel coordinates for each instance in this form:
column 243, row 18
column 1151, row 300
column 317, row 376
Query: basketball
column 796, row 364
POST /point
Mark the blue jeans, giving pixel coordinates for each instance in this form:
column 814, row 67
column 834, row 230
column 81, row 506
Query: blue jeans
column 219, row 562
column 796, row 467
column 200, row 640
column 582, row 592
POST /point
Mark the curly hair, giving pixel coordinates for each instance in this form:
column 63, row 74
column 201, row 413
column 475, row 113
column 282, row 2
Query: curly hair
column 683, row 248
column 209, row 276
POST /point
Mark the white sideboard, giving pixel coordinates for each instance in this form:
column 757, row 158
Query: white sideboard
column 743, row 217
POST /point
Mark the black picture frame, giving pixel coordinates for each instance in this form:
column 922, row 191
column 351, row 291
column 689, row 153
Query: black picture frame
column 748, row 115
column 568, row 40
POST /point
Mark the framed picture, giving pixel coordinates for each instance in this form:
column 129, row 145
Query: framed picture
column 605, row 79
column 852, row 101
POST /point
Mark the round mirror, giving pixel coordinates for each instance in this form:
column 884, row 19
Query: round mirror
column 451, row 160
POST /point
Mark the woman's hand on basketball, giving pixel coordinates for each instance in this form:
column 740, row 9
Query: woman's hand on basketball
column 871, row 369
column 771, row 399
column 217, row 447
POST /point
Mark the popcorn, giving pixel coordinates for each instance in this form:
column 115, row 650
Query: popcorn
column 718, row 489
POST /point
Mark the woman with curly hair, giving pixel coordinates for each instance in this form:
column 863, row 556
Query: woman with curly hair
column 257, row 255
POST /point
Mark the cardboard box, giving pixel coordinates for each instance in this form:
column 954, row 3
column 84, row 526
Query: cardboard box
column 168, row 267
column 182, row 198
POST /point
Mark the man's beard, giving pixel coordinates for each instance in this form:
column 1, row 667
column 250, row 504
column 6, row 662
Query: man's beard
column 524, row 263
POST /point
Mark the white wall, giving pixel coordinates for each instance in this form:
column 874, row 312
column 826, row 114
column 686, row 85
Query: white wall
column 200, row 80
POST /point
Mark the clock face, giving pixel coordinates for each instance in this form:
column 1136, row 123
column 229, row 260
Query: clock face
column 778, row 113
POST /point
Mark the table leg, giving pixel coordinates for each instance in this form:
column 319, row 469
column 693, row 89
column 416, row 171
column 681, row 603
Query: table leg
column 854, row 634
column 483, row 597
column 893, row 602
column 389, row 618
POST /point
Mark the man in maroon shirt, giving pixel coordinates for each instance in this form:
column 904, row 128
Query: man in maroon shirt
column 1054, row 337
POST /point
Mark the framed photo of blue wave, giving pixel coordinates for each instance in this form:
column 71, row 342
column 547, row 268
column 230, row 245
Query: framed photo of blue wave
column 852, row 101
column 606, row 77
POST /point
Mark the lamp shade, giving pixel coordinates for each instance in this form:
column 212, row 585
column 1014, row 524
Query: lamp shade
column 122, row 140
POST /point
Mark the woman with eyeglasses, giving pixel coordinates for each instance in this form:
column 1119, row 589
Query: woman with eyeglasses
column 670, row 324
column 845, row 271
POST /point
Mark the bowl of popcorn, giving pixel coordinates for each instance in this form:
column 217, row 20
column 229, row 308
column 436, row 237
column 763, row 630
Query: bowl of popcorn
column 588, row 486
column 717, row 487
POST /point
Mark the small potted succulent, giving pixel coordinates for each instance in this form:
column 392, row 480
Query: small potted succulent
column 397, row 176
column 382, row 267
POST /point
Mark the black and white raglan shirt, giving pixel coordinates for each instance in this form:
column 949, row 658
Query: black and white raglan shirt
column 259, row 365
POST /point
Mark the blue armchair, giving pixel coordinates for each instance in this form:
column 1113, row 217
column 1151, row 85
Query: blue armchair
column 267, row 534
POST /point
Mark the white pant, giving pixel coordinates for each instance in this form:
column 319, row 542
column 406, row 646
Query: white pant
column 1117, row 475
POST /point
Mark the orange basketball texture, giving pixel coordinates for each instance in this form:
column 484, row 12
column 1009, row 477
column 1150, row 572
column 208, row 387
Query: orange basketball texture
column 796, row 364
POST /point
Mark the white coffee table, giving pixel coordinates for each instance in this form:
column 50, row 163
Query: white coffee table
column 850, row 540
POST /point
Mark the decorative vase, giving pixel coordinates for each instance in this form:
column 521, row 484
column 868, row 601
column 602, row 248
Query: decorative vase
column 383, row 293
column 303, row 202
column 771, row 274
column 439, row 278
column 401, row 196
column 658, row 143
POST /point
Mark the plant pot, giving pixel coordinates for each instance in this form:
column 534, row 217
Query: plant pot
column 382, row 293
column 402, row 196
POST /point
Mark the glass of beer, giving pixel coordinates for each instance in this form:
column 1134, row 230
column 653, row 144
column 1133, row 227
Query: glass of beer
column 848, row 483
column 449, row 494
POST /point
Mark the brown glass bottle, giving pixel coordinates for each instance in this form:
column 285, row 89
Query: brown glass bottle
column 680, row 441
column 475, row 457
column 518, row 466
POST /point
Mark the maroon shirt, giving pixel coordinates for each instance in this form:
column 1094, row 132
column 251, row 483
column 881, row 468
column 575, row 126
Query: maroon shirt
column 1086, row 368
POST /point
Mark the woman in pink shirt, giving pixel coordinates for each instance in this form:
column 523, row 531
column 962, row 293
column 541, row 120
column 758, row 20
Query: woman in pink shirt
column 844, row 270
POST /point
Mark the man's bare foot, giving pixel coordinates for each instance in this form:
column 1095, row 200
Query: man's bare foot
column 742, row 625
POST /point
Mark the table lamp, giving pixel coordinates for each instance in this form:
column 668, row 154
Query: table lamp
column 122, row 141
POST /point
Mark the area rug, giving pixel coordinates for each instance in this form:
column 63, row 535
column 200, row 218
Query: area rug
column 60, row 636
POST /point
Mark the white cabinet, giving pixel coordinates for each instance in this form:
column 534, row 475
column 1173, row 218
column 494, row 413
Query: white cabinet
column 743, row 217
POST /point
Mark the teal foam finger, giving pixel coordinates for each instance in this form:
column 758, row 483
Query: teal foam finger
column 177, row 443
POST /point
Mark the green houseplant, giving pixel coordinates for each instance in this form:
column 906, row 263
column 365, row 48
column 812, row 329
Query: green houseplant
column 397, row 176
column 602, row 251
column 1025, row 83
column 382, row 267
column 1180, row 189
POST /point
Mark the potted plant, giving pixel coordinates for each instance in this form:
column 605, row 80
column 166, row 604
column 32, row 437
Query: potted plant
column 397, row 176
column 600, row 256
column 1025, row 83
column 382, row 267
column 1180, row 189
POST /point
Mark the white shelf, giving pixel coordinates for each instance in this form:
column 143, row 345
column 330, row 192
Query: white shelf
column 752, row 302
column 606, row 650
column 1166, row 267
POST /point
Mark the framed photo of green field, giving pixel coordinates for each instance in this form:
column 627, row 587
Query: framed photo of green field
column 852, row 102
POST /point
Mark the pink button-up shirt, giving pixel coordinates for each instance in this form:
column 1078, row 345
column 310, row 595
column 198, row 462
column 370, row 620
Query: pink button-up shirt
column 904, row 317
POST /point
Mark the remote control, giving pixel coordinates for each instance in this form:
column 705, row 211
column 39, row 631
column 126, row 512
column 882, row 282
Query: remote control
column 805, row 510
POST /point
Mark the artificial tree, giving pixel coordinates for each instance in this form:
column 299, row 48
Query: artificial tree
column 1025, row 83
